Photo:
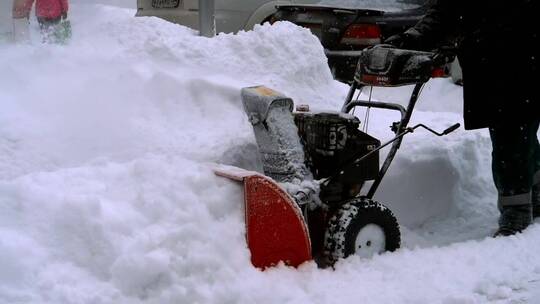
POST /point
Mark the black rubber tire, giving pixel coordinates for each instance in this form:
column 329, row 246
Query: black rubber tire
column 347, row 222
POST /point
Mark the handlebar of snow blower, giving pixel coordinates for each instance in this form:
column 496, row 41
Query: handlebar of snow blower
column 387, row 66
column 358, row 157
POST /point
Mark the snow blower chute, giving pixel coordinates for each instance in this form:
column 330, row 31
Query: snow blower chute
column 309, row 202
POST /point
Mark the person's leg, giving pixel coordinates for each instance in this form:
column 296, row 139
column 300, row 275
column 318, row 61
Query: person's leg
column 536, row 183
column 514, row 167
column 52, row 18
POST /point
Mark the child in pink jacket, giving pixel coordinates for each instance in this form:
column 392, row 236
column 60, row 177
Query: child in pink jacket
column 51, row 15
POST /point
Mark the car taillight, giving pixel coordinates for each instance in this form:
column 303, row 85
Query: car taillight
column 439, row 73
column 362, row 34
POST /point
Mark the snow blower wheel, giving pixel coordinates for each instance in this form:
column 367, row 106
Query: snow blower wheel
column 361, row 227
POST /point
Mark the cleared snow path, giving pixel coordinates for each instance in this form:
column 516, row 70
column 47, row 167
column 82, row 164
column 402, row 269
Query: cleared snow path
column 106, row 192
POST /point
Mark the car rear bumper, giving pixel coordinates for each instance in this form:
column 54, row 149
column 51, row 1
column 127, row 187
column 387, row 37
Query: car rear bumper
column 183, row 17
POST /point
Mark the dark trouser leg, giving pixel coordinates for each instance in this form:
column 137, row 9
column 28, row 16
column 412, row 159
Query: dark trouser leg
column 515, row 164
column 536, row 184
column 55, row 30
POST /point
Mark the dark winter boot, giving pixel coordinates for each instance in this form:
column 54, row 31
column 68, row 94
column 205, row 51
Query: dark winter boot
column 536, row 200
column 514, row 219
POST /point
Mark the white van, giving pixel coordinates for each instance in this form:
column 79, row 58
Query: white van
column 231, row 15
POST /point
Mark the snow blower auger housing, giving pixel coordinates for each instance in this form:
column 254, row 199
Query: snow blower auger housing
column 309, row 202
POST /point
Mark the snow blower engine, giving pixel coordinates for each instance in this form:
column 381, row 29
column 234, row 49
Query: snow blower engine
column 309, row 202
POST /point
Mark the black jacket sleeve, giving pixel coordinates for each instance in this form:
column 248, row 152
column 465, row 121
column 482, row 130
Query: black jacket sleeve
column 441, row 21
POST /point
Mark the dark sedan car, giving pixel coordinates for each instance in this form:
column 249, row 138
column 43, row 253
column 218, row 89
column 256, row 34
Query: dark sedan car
column 347, row 27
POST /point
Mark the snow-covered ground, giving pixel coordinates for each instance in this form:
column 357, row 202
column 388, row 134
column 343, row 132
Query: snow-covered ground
column 107, row 193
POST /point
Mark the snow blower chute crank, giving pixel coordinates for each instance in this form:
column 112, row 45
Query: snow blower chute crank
column 308, row 204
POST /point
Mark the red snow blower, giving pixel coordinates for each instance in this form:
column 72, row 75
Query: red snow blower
column 308, row 204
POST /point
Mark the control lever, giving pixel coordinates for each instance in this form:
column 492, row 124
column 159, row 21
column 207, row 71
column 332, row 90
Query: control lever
column 359, row 158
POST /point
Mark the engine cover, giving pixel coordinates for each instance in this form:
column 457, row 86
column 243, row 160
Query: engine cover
column 332, row 140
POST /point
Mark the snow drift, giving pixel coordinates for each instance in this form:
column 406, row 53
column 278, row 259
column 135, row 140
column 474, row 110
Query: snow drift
column 107, row 195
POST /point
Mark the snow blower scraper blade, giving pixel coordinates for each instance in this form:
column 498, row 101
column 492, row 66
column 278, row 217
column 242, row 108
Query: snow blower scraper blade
column 275, row 225
column 275, row 228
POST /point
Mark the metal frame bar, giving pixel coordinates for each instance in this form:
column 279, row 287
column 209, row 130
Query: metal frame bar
column 376, row 104
column 405, row 119
column 207, row 18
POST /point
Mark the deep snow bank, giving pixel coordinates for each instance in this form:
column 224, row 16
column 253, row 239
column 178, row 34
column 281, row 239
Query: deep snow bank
column 107, row 196
column 102, row 95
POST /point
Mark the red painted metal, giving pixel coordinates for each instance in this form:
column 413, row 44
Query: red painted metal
column 439, row 73
column 275, row 227
column 49, row 9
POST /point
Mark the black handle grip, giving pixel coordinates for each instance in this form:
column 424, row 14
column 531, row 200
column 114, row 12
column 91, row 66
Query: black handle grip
column 451, row 129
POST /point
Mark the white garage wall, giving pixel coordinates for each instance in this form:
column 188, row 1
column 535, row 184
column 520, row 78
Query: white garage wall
column 5, row 17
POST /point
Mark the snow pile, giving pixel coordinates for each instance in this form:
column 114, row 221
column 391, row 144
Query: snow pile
column 107, row 195
column 143, row 71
